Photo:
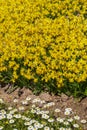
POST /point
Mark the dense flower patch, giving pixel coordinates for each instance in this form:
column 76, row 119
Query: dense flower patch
column 35, row 118
column 43, row 40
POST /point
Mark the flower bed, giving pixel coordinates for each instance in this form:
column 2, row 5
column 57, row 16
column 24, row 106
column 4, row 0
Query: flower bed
column 44, row 43
column 35, row 118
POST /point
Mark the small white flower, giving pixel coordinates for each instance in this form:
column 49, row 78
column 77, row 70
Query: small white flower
column 41, row 126
column 68, row 109
column 1, row 127
column 17, row 116
column 66, row 123
column 42, row 102
column 37, row 108
column 9, row 116
column 62, row 128
column 27, row 123
column 68, row 129
column 28, row 99
column 50, row 120
column 33, row 121
column 51, row 128
column 46, row 128
column 3, row 111
column 38, row 112
column 2, row 117
column 35, row 129
column 57, row 110
column 83, row 121
column 25, row 118
column 13, row 111
column 21, row 108
column 67, row 113
column 36, row 100
column 25, row 102
column 1, row 100
column 46, row 112
column 45, row 106
column 45, row 116
column 50, row 104
column 76, row 117
column 30, row 127
column 15, row 100
column 75, row 125
column 70, row 119
column 9, row 108
column 11, row 121
column 37, row 125
column 33, row 111
column 33, row 106
column 60, row 119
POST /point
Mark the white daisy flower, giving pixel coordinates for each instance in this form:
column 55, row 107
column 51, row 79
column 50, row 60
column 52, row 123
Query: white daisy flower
column 68, row 129
column 83, row 121
column 37, row 125
column 75, row 125
column 66, row 123
column 57, row 110
column 68, row 109
column 46, row 128
column 41, row 126
column 70, row 119
column 50, row 120
column 9, row 108
column 3, row 111
column 30, row 127
column 25, row 118
column 62, row 128
column 2, row 117
column 33, row 111
column 28, row 98
column 13, row 111
column 76, row 117
column 42, row 102
column 11, row 121
column 37, row 108
column 60, row 119
column 36, row 100
column 46, row 112
column 1, row 100
column 21, row 108
column 33, row 121
column 67, row 113
column 25, row 102
column 15, row 100
column 38, row 112
column 33, row 106
column 27, row 123
column 17, row 116
column 9, row 116
column 45, row 116
column 1, row 127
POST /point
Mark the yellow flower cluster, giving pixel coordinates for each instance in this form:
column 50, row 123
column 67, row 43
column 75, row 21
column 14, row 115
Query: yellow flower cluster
column 46, row 38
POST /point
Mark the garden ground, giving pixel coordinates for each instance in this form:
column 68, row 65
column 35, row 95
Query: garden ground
column 15, row 98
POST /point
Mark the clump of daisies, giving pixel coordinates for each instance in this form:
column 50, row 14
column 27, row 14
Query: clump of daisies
column 36, row 118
